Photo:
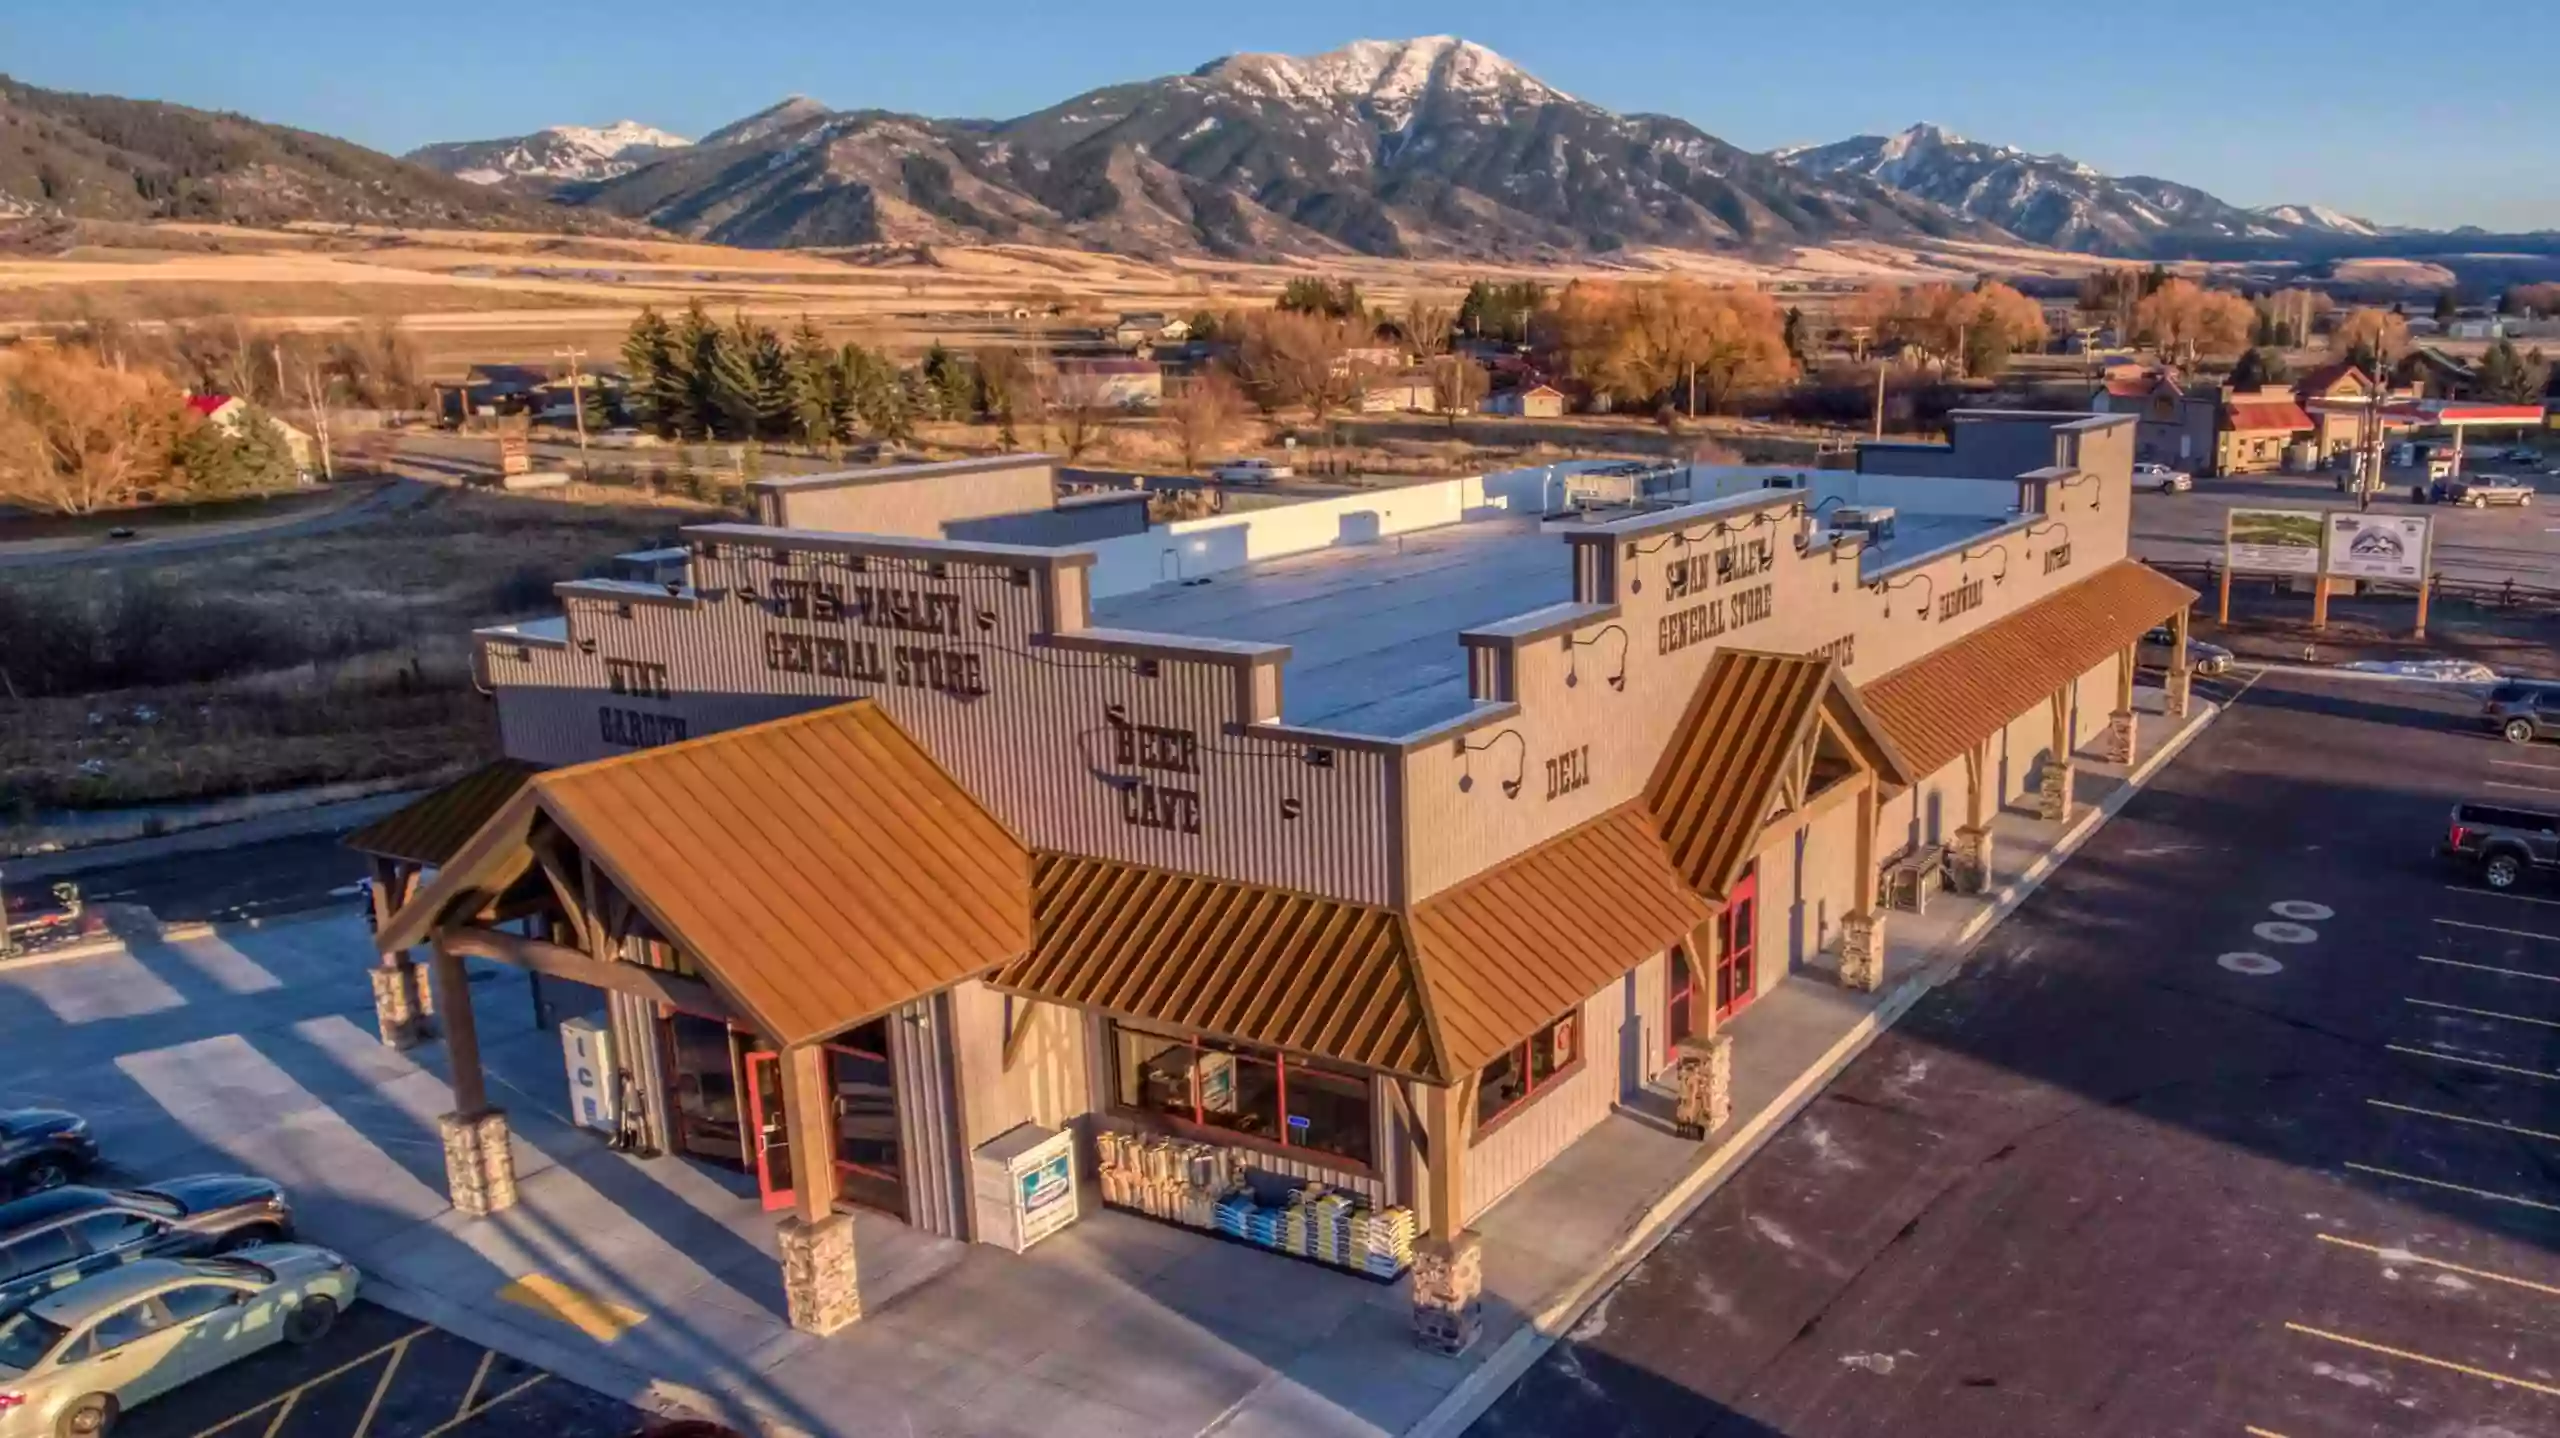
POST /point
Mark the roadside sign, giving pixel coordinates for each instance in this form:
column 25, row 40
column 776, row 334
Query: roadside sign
column 2377, row 546
column 515, row 450
column 2272, row 541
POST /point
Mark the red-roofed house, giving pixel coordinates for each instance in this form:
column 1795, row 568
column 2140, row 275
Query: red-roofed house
column 229, row 410
column 2255, row 429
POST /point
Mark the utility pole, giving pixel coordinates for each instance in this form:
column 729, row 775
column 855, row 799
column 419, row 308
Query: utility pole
column 319, row 422
column 578, row 408
column 2089, row 348
column 1879, row 397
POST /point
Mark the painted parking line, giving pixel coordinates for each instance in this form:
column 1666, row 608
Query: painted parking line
column 283, row 1402
column 2485, row 1013
column 2490, row 969
column 2448, row 1364
column 2456, row 1187
column 2403, row 1256
column 2496, row 1123
column 469, row 1413
column 2441, row 1056
column 2494, row 929
column 2520, row 788
column 2521, row 764
column 2494, row 894
column 2256, row 1432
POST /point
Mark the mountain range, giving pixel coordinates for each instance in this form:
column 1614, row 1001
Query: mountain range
column 1430, row 147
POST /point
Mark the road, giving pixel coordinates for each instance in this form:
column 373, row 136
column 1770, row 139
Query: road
column 151, row 546
column 2483, row 545
column 281, row 876
column 2244, row 1124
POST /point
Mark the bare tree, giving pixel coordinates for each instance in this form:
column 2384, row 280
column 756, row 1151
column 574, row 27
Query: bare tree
column 1077, row 401
column 1289, row 359
column 1202, row 414
column 1427, row 327
column 78, row 435
column 1458, row 384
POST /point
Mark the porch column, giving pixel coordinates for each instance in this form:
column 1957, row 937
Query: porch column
column 1862, row 928
column 479, row 1159
column 2123, row 742
column 1970, row 854
column 1448, row 1267
column 2053, row 786
column 819, row 1280
column 2182, row 674
column 401, row 1005
column 1704, row 1067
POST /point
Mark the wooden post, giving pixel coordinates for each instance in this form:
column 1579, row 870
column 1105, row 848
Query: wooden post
column 461, row 1032
column 1444, row 1192
column 1864, row 847
column 2125, row 662
column 807, row 1111
column 2222, row 614
column 2426, row 585
column 2319, row 601
column 2061, row 706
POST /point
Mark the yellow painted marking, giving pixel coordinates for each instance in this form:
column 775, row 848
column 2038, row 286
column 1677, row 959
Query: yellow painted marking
column 381, row 1386
column 479, row 1376
column 2402, row 1255
column 2371, row 1347
column 2494, row 929
column 2496, row 1123
column 2475, row 1063
column 284, row 1410
column 2494, row 894
column 598, row 1318
column 2490, row 969
column 285, row 1399
column 459, row 1419
column 2457, row 1188
column 2485, row 1013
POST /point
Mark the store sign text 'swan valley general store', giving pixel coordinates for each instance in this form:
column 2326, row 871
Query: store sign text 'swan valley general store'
column 905, row 615
column 1701, row 574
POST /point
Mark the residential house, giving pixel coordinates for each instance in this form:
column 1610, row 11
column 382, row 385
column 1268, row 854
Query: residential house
column 1401, row 392
column 1537, row 401
column 2256, row 428
column 1138, row 329
column 229, row 411
column 1370, row 358
column 1113, row 382
column 2336, row 397
column 2439, row 375
column 2175, row 423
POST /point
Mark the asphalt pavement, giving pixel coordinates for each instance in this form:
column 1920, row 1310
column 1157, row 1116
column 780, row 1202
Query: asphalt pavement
column 2244, row 1124
column 153, row 543
column 2477, row 545
column 226, row 886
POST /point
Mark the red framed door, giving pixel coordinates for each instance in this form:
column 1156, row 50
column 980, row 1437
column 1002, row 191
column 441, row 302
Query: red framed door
column 1737, row 972
column 771, row 1130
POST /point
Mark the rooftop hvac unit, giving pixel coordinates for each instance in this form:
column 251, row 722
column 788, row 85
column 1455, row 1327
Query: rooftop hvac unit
column 1875, row 521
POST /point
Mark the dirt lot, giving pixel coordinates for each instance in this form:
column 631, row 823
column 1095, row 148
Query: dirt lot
column 328, row 658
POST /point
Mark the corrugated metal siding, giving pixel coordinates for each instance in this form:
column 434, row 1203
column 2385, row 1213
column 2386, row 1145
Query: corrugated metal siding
column 634, row 1021
column 1036, row 748
column 1521, row 1146
column 929, row 1118
column 1047, row 1083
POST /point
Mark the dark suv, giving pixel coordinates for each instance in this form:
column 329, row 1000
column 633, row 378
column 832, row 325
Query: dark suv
column 65, row 1234
column 2523, row 710
column 2506, row 842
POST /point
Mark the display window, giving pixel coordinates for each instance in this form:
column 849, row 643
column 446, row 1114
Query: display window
column 1257, row 1094
column 1521, row 1076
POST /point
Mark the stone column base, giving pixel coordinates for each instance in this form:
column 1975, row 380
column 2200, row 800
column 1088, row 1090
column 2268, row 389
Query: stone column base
column 819, row 1282
column 1448, row 1293
column 1969, row 859
column 479, row 1162
column 2182, row 692
column 2053, row 790
column 1862, row 951
column 1705, row 1080
column 2120, row 737
column 395, row 1004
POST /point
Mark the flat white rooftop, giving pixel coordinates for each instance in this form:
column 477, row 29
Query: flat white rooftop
column 1373, row 627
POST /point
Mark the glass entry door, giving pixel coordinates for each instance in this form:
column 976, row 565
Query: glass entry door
column 772, row 1129
column 1682, row 1001
column 1736, row 973
column 705, row 1082
column 870, row 1168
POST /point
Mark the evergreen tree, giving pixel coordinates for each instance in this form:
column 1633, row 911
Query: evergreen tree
column 773, row 383
column 877, row 394
column 2259, row 368
column 685, row 393
column 2447, row 307
column 950, row 388
column 244, row 455
column 649, row 361
column 2511, row 378
column 736, row 389
column 815, row 415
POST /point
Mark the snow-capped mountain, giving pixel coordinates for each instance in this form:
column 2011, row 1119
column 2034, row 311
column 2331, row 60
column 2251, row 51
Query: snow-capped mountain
column 2054, row 199
column 560, row 153
column 1384, row 147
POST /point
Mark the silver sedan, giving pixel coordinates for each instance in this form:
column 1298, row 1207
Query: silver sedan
column 73, row 1360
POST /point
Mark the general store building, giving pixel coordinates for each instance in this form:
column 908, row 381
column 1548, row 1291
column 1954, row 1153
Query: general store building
column 1386, row 843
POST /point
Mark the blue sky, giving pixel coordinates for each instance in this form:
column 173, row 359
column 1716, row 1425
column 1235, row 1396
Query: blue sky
column 2445, row 134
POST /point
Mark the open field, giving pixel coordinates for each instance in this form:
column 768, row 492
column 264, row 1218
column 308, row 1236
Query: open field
column 317, row 659
column 471, row 296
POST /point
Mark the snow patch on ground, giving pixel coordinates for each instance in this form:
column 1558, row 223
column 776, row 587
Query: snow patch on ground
column 2352, row 1377
column 1827, row 1149
column 1768, row 1228
column 1878, row 1363
column 2446, row 671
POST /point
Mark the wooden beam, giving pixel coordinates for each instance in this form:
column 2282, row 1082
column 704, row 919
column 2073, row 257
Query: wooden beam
column 1444, row 1189
column 556, row 874
column 556, row 961
column 1414, row 1131
column 1020, row 1032
column 1866, row 845
column 808, row 1110
column 461, row 1031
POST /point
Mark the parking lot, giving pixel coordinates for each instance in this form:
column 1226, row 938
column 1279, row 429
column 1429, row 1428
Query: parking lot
column 2480, row 545
column 381, row 1375
column 2245, row 1123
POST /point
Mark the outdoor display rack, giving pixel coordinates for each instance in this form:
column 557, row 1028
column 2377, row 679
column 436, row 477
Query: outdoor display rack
column 1204, row 1187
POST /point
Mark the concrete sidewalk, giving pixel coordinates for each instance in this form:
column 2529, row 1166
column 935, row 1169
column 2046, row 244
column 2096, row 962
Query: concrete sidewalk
column 658, row 1281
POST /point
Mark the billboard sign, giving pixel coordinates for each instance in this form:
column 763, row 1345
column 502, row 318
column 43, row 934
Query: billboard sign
column 2377, row 546
column 2272, row 541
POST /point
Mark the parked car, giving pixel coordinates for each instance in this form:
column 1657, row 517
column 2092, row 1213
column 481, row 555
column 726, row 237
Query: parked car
column 72, row 1362
column 2162, row 478
column 2203, row 658
column 2505, row 841
column 2522, row 454
column 2479, row 491
column 66, row 1234
column 43, row 1148
column 1250, row 471
column 2522, row 710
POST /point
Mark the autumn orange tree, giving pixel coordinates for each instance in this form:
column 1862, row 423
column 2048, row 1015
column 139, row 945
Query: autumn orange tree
column 2370, row 337
column 1287, row 358
column 79, row 435
column 2184, row 320
column 1202, row 414
column 1677, row 341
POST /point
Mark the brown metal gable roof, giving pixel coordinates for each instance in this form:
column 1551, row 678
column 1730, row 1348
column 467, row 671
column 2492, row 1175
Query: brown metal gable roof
column 431, row 829
column 1937, row 707
column 1507, row 951
column 1263, row 966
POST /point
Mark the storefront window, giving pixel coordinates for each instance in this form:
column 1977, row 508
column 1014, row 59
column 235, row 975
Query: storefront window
column 1254, row 1092
column 1507, row 1083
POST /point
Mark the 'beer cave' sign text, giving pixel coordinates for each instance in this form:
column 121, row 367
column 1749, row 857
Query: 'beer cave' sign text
column 1148, row 801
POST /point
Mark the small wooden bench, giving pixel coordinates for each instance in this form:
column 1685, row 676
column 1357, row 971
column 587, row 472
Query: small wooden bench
column 1910, row 879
